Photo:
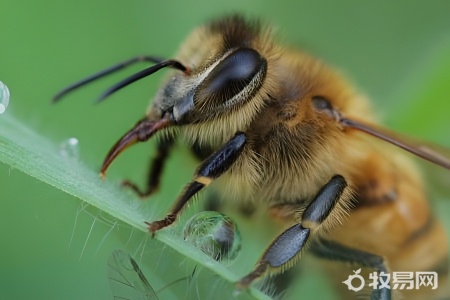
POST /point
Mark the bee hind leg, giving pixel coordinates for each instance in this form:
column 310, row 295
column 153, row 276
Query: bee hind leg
column 286, row 248
column 334, row 251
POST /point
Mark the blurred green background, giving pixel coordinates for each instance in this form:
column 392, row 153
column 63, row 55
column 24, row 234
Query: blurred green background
column 398, row 53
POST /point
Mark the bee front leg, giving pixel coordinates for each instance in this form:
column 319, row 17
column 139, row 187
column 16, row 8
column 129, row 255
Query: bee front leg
column 155, row 169
column 288, row 245
column 210, row 169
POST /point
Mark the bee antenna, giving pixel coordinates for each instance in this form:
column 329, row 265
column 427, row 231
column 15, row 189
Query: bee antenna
column 429, row 152
column 104, row 73
column 144, row 73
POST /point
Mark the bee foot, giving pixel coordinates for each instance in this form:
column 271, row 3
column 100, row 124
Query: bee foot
column 132, row 186
column 153, row 227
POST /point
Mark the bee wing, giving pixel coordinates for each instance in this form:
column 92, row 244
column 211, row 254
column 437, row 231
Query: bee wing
column 433, row 153
column 126, row 278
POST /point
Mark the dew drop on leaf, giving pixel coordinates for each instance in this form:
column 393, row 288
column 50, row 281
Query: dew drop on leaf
column 4, row 97
column 69, row 148
column 215, row 234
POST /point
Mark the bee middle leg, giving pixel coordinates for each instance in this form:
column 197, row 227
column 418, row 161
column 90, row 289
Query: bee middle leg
column 288, row 245
column 155, row 169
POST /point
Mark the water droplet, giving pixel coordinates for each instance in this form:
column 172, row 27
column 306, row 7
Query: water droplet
column 4, row 97
column 69, row 148
column 215, row 234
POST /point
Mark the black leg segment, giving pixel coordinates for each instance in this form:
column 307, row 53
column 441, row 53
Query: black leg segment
column 287, row 246
column 282, row 250
column 334, row 251
column 155, row 169
column 219, row 162
column 214, row 166
column 326, row 199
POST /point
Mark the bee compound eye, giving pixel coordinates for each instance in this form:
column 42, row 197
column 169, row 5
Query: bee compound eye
column 232, row 75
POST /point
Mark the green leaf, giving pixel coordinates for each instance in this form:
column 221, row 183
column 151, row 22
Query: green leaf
column 24, row 149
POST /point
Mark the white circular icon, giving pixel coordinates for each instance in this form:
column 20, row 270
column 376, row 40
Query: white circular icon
column 349, row 281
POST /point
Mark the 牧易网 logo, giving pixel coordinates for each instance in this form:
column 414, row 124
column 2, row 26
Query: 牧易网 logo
column 399, row 280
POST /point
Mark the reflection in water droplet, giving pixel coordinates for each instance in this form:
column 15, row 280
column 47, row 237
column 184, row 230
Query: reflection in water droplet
column 4, row 97
column 215, row 234
column 69, row 148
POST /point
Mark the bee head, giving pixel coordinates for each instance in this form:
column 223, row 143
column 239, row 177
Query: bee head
column 228, row 83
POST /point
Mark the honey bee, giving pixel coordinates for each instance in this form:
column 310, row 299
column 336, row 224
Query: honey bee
column 278, row 129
